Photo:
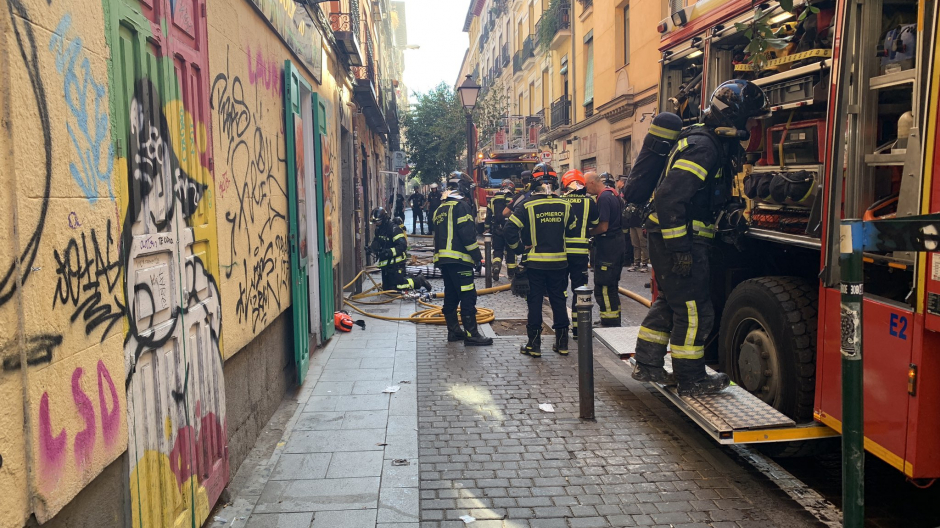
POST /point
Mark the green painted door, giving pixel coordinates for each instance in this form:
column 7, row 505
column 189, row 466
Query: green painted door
column 325, row 177
column 297, row 165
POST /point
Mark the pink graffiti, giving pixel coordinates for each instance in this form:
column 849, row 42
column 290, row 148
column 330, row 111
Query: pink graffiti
column 85, row 440
column 195, row 453
column 51, row 448
column 268, row 72
column 224, row 184
column 110, row 420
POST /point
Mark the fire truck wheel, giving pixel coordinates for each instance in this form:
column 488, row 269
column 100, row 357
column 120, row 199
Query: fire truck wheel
column 768, row 342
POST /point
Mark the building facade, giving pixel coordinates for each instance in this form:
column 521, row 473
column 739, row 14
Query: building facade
column 173, row 178
column 588, row 68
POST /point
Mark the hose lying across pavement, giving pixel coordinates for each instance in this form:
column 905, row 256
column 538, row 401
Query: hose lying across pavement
column 433, row 314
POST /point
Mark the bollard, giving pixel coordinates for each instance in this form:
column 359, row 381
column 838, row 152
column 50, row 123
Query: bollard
column 853, row 435
column 585, row 307
column 488, row 255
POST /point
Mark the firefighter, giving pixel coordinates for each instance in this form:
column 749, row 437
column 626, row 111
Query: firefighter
column 526, row 180
column 608, row 247
column 390, row 249
column 694, row 186
column 495, row 220
column 584, row 213
column 457, row 254
column 434, row 201
column 541, row 224
column 417, row 201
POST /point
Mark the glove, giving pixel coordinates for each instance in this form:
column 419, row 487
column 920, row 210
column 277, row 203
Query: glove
column 478, row 266
column 520, row 283
column 682, row 263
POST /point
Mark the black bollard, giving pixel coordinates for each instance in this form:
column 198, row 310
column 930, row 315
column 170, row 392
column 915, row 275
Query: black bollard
column 585, row 307
column 488, row 255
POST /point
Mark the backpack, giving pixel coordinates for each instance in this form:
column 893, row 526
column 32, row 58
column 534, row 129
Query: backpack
column 651, row 162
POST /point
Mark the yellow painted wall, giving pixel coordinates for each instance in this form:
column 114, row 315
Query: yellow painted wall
column 73, row 422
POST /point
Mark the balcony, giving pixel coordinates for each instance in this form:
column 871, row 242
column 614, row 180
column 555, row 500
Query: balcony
column 345, row 28
column 554, row 26
column 368, row 98
column 561, row 112
column 528, row 49
column 517, row 63
column 504, row 56
column 589, row 109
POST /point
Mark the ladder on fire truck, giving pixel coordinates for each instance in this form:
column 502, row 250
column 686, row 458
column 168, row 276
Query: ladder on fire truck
column 733, row 416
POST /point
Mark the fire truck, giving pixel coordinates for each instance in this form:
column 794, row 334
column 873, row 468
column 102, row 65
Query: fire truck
column 852, row 133
column 512, row 149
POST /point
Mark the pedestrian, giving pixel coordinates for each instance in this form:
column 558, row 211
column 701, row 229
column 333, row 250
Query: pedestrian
column 540, row 225
column 400, row 205
column 434, row 201
column 641, row 259
column 681, row 226
column 457, row 254
column 417, row 210
column 608, row 247
column 584, row 212
column 494, row 224
column 389, row 246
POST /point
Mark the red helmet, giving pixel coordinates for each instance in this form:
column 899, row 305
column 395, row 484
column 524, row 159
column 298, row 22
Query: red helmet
column 574, row 175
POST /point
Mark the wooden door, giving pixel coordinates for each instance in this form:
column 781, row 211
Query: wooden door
column 325, row 232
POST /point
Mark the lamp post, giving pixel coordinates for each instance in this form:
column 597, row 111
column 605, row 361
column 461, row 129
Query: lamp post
column 469, row 91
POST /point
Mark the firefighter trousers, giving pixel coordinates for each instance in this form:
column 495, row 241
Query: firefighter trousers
column 501, row 249
column 578, row 276
column 682, row 315
column 394, row 278
column 459, row 290
column 608, row 263
column 554, row 284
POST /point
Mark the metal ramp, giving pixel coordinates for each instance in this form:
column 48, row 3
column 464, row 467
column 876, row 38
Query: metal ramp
column 733, row 416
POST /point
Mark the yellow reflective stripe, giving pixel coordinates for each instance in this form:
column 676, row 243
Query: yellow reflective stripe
column 514, row 246
column 578, row 251
column 584, row 219
column 687, row 352
column 454, row 255
column 473, row 246
column 383, row 263
column 703, row 230
column 399, row 235
column 516, row 221
column 606, row 299
column 664, row 133
column 675, row 232
column 610, row 315
column 531, row 212
column 692, row 167
column 653, row 336
column 682, row 145
column 466, row 287
column 653, row 218
column 547, row 257
column 690, row 332
column 464, row 218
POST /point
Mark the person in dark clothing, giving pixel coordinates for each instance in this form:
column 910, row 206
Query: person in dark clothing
column 681, row 227
column 434, row 201
column 541, row 225
column 400, row 205
column 457, row 254
column 417, row 210
column 522, row 195
column 495, row 220
column 584, row 213
column 608, row 248
column 390, row 249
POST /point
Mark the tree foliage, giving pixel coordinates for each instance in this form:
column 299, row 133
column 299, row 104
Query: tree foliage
column 436, row 133
column 491, row 108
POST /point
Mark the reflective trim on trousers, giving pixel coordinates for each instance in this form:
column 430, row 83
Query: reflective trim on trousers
column 687, row 352
column 653, row 336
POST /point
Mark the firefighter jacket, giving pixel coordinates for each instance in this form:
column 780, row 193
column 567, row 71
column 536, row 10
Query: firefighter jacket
column 494, row 212
column 541, row 224
column 434, row 201
column 455, row 234
column 682, row 204
column 585, row 216
column 389, row 236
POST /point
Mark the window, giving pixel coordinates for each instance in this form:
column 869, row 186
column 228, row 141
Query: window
column 531, row 99
column 546, row 99
column 626, row 34
column 589, row 70
column 626, row 145
column 520, row 104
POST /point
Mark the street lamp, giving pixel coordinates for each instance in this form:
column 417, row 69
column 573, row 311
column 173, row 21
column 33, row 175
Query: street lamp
column 469, row 91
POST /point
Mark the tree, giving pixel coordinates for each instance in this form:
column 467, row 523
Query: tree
column 436, row 133
column 492, row 107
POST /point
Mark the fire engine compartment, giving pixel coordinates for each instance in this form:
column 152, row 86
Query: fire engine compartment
column 831, row 148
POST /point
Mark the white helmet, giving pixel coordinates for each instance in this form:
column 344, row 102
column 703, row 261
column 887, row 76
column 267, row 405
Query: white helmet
column 434, row 186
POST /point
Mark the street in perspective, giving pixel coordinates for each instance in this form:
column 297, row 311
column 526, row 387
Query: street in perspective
column 474, row 263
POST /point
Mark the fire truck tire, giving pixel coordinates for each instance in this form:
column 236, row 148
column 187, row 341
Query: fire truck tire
column 768, row 342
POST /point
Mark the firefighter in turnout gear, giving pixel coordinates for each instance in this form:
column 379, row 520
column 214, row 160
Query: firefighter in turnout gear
column 584, row 212
column 495, row 220
column 434, row 201
column 541, row 224
column 457, row 254
column 608, row 247
column 389, row 246
column 695, row 184
column 520, row 196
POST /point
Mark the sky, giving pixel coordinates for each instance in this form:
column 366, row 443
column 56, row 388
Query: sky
column 436, row 26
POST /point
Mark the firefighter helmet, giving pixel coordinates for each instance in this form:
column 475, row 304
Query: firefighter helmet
column 608, row 179
column 507, row 186
column 460, row 182
column 573, row 176
column 379, row 216
column 733, row 103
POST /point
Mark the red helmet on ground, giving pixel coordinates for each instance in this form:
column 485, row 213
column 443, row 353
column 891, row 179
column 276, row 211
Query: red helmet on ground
column 574, row 175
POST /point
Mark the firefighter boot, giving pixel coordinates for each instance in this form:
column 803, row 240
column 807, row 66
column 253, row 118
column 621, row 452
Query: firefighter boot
column 695, row 381
column 659, row 375
column 561, row 341
column 420, row 282
column 454, row 332
column 533, row 347
column 497, row 263
column 473, row 337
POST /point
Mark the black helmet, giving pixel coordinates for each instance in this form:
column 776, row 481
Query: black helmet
column 460, row 182
column 379, row 216
column 507, row 186
column 545, row 174
column 608, row 179
column 733, row 103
